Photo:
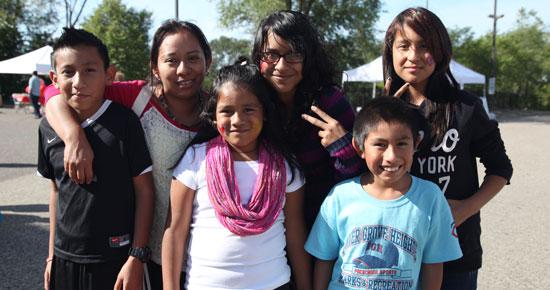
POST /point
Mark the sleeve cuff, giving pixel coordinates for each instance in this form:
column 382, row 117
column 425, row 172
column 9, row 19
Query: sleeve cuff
column 339, row 144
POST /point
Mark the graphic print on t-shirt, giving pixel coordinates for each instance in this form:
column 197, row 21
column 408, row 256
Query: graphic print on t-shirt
column 441, row 164
column 377, row 250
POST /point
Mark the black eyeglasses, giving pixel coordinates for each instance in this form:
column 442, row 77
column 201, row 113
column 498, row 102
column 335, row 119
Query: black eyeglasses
column 291, row 57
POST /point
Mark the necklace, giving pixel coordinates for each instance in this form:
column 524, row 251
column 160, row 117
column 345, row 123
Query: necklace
column 164, row 105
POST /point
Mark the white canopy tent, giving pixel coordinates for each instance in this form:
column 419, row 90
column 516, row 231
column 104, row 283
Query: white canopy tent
column 373, row 72
column 36, row 60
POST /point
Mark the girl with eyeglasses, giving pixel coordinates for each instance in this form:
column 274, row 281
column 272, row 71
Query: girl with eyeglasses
column 317, row 117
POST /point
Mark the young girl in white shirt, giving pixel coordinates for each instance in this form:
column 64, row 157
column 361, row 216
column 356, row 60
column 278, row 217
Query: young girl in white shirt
column 236, row 199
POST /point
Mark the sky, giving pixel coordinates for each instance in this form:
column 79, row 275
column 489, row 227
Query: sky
column 463, row 13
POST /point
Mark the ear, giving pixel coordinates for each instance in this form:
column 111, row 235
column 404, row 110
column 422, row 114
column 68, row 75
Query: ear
column 155, row 70
column 110, row 74
column 357, row 148
column 53, row 77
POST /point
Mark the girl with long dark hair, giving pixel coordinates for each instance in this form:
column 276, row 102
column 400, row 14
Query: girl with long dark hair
column 416, row 57
column 292, row 58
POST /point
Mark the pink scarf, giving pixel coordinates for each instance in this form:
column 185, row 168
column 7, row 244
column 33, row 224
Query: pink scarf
column 267, row 198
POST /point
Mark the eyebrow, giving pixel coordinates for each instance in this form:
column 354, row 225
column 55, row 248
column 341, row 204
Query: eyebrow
column 72, row 66
column 405, row 137
column 171, row 54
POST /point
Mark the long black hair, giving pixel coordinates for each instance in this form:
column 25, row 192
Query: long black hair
column 247, row 76
column 318, row 69
column 442, row 89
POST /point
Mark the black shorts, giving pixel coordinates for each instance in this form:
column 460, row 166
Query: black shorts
column 67, row 275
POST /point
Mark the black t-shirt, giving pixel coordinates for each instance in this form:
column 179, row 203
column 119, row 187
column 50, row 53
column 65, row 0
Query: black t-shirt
column 95, row 222
column 452, row 165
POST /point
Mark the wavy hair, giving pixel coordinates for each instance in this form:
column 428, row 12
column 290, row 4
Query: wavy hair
column 318, row 69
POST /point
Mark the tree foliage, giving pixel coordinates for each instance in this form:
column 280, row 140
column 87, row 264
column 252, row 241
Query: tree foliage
column 24, row 25
column 347, row 26
column 125, row 33
column 523, row 61
column 225, row 51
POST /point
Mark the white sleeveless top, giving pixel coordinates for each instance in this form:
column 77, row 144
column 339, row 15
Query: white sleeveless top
column 166, row 143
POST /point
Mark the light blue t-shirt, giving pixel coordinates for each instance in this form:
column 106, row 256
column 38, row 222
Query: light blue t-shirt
column 381, row 244
column 34, row 85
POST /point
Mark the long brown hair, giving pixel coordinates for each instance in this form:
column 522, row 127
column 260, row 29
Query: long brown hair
column 442, row 88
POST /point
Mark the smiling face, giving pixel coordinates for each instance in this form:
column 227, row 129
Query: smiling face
column 388, row 153
column 181, row 65
column 282, row 75
column 412, row 61
column 239, row 118
column 81, row 78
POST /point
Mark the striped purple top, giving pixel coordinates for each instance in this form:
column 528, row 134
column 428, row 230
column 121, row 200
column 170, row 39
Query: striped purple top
column 324, row 167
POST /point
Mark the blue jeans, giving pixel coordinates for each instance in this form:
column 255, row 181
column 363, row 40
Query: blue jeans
column 459, row 281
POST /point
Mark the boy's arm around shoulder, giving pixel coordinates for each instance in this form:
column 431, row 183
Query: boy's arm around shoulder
column 78, row 155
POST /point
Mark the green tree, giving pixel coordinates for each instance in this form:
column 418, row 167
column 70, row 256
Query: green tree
column 125, row 33
column 12, row 39
column 347, row 26
column 39, row 23
column 24, row 25
column 524, row 63
column 474, row 53
column 225, row 51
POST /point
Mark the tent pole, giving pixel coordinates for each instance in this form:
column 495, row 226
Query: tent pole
column 373, row 90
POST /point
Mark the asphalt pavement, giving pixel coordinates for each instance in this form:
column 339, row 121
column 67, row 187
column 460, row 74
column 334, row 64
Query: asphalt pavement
column 516, row 251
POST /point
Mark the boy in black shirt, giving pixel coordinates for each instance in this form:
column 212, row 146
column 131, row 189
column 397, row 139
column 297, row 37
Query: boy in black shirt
column 101, row 229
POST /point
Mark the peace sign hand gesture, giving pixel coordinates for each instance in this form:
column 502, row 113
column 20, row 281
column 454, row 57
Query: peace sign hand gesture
column 331, row 130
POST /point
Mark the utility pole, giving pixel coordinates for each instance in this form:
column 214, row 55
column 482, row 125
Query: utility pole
column 427, row 4
column 177, row 10
column 492, row 79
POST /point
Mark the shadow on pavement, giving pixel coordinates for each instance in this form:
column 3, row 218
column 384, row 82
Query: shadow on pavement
column 17, row 165
column 25, row 208
column 23, row 245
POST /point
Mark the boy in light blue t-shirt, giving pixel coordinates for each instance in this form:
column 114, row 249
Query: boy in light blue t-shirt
column 384, row 229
